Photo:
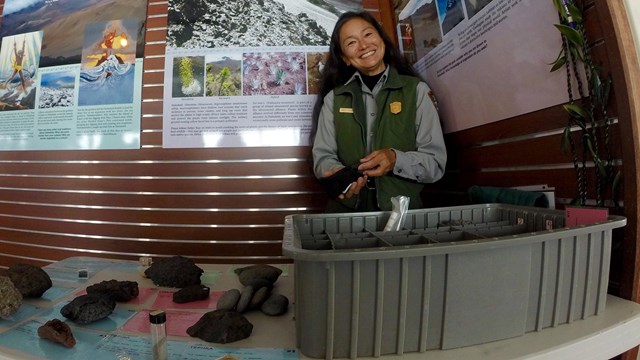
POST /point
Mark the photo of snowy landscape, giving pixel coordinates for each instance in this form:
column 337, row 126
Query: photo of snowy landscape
column 196, row 24
column 57, row 89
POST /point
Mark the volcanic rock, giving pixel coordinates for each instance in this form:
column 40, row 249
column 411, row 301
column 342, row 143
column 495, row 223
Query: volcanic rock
column 275, row 305
column 30, row 280
column 228, row 300
column 57, row 331
column 245, row 299
column 221, row 326
column 122, row 291
column 10, row 297
column 86, row 309
column 249, row 274
column 176, row 271
column 191, row 293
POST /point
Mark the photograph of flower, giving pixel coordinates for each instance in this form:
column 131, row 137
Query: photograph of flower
column 188, row 76
column 224, row 76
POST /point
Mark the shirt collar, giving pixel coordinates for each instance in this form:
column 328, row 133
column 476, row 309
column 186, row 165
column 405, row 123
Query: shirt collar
column 357, row 75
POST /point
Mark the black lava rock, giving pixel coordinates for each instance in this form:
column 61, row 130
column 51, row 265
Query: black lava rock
column 221, row 327
column 86, row 309
column 176, row 271
column 119, row 290
column 30, row 280
column 191, row 293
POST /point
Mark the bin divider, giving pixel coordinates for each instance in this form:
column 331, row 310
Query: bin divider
column 331, row 304
column 603, row 283
column 424, row 321
column 577, row 249
column 404, row 293
column 587, row 280
column 542, row 294
column 380, row 286
column 559, row 284
column 355, row 309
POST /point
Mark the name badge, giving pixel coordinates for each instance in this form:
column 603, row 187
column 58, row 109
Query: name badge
column 395, row 107
column 346, row 110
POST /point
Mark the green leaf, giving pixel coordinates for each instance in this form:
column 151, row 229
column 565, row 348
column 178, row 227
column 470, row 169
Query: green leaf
column 576, row 110
column 606, row 91
column 558, row 64
column 576, row 14
column 573, row 35
column 565, row 142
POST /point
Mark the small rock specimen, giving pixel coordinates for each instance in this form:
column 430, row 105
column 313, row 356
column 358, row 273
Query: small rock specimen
column 248, row 274
column 245, row 299
column 248, row 299
column 10, row 297
column 30, row 280
column 275, row 305
column 221, row 327
column 191, row 293
column 228, row 300
column 121, row 291
column 86, row 309
column 58, row 332
column 176, row 271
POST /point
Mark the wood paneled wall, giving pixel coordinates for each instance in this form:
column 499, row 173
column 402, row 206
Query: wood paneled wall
column 224, row 205
column 228, row 204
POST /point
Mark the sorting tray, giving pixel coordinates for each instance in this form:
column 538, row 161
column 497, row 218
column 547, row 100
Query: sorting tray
column 451, row 277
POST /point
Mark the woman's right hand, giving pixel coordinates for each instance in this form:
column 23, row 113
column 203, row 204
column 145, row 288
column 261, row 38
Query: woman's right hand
column 353, row 189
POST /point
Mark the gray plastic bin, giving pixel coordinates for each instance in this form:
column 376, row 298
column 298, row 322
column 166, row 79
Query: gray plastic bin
column 452, row 277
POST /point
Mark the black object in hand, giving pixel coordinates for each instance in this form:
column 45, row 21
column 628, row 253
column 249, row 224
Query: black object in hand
column 339, row 182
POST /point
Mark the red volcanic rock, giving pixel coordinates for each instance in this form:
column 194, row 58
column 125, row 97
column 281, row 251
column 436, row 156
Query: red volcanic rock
column 57, row 331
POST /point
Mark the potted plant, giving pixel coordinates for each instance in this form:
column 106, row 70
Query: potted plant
column 587, row 136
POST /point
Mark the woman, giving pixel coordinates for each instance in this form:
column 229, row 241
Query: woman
column 376, row 114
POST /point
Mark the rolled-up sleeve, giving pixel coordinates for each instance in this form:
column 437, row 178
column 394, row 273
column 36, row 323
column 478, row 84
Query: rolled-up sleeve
column 427, row 163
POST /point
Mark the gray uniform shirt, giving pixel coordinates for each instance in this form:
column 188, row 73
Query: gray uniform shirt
column 426, row 164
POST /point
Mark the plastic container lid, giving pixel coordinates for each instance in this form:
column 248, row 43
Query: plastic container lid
column 157, row 317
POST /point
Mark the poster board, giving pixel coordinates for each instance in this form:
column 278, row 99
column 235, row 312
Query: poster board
column 71, row 74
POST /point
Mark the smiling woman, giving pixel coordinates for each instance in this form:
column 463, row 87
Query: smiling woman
column 374, row 113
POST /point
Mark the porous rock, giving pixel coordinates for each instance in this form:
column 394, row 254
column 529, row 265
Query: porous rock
column 228, row 300
column 58, row 332
column 30, row 280
column 10, row 297
column 176, row 271
column 275, row 305
column 221, row 326
column 191, row 293
column 86, row 309
column 122, row 291
column 249, row 274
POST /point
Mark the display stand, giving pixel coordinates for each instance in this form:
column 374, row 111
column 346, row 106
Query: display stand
column 603, row 336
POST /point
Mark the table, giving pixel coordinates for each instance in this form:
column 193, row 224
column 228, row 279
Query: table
column 598, row 337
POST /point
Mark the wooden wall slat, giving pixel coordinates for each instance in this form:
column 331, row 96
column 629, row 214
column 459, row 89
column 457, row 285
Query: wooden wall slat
column 227, row 217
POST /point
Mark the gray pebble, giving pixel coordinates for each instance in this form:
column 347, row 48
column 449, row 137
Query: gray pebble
column 275, row 305
column 228, row 300
column 259, row 297
column 245, row 299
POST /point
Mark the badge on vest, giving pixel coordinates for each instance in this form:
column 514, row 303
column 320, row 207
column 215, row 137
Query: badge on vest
column 346, row 110
column 395, row 107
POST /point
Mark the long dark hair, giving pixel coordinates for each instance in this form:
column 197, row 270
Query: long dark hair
column 336, row 72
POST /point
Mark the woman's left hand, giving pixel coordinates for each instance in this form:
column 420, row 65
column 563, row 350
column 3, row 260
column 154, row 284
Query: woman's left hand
column 378, row 163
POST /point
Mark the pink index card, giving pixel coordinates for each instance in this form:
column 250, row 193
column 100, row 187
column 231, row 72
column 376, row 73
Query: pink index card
column 177, row 322
column 575, row 216
column 165, row 301
column 144, row 294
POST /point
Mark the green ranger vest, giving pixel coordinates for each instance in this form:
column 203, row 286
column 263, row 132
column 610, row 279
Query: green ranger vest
column 394, row 128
